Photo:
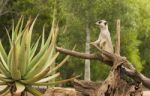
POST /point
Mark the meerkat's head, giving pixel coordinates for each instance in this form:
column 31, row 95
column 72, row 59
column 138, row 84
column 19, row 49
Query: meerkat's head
column 102, row 24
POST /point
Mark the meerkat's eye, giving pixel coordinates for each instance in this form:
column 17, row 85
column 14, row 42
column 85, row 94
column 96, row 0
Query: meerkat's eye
column 99, row 22
column 105, row 23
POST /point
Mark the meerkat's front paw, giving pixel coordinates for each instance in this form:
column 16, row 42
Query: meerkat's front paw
column 93, row 43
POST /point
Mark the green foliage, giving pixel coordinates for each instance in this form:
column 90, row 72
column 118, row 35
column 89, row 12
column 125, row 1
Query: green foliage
column 144, row 31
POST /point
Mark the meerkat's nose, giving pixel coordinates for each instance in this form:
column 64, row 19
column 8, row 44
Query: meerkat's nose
column 97, row 23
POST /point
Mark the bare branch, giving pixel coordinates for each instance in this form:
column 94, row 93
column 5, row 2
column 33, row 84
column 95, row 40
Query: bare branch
column 78, row 54
column 83, row 55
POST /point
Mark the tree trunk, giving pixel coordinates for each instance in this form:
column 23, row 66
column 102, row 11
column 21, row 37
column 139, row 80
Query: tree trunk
column 87, row 74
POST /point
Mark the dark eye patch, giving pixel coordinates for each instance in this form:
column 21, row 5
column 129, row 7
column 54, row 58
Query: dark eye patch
column 99, row 22
column 105, row 23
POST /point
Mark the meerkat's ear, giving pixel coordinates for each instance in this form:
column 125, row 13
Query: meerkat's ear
column 105, row 23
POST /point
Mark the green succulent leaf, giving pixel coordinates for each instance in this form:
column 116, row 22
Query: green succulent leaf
column 58, row 66
column 19, row 87
column 34, row 49
column 48, row 78
column 36, row 77
column 56, row 82
column 43, row 37
column 15, row 73
column 3, row 62
column 4, row 71
column 33, row 91
column 3, row 52
column 5, row 91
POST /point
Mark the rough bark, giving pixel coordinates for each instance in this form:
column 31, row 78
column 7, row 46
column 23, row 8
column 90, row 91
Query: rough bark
column 89, row 88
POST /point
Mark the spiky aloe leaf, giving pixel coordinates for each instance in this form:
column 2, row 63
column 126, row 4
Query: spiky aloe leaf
column 19, row 87
column 48, row 78
column 36, row 77
column 51, row 39
column 56, row 82
column 13, row 36
column 52, row 60
column 9, row 60
column 33, row 91
column 4, row 71
column 15, row 73
column 58, row 66
column 3, row 62
column 22, row 60
column 5, row 91
column 43, row 37
column 25, row 48
column 34, row 49
column 40, row 66
column 3, row 52
column 16, row 31
column 36, row 68
column 19, row 25
column 10, row 41
column 4, row 79
column 40, row 53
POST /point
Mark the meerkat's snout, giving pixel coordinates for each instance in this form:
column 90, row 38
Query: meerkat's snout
column 98, row 22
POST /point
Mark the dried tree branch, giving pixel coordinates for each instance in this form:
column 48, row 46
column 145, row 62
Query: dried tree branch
column 83, row 55
column 138, row 77
column 78, row 54
column 130, row 72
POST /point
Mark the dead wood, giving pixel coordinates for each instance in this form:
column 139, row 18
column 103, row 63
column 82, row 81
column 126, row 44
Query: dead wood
column 130, row 72
column 58, row 91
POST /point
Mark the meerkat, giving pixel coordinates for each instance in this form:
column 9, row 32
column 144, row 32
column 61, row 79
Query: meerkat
column 104, row 40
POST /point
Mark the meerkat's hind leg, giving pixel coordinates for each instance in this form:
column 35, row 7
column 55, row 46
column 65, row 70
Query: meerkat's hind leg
column 103, row 45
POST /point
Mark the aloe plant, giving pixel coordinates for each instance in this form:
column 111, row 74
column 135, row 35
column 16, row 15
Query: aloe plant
column 28, row 63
